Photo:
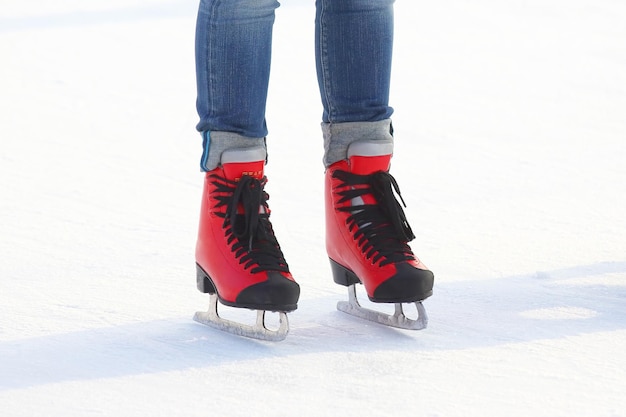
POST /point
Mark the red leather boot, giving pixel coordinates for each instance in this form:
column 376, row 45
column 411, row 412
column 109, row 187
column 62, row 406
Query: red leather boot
column 367, row 233
column 238, row 258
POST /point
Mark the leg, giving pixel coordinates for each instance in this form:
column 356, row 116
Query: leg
column 367, row 233
column 233, row 53
column 354, row 42
column 353, row 55
column 238, row 259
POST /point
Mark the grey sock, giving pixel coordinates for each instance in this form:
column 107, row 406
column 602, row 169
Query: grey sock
column 339, row 136
column 216, row 143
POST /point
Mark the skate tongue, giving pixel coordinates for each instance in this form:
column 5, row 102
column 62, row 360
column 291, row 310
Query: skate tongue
column 243, row 161
column 367, row 157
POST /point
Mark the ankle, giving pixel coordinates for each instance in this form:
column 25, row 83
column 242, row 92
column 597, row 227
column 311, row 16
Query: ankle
column 339, row 137
column 225, row 147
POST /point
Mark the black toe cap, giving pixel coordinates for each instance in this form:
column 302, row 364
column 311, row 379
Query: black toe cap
column 276, row 294
column 409, row 284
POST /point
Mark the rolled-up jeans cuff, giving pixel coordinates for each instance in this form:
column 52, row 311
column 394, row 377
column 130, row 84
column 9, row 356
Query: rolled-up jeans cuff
column 339, row 136
column 215, row 143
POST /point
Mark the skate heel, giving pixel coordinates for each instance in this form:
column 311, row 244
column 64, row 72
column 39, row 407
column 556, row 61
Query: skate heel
column 342, row 275
column 203, row 282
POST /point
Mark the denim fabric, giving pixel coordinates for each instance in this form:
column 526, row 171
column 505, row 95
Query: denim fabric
column 339, row 136
column 233, row 50
column 217, row 142
column 353, row 49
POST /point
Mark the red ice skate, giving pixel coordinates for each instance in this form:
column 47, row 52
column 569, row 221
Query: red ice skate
column 367, row 237
column 238, row 259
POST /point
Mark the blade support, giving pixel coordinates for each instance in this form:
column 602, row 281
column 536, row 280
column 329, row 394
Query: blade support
column 398, row 319
column 257, row 331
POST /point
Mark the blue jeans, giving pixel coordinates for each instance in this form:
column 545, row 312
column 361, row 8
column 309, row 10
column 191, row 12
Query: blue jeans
column 353, row 48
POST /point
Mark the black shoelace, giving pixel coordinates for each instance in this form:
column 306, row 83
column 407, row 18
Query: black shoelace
column 247, row 223
column 381, row 229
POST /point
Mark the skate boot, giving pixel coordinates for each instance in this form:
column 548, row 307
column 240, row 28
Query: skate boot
column 367, row 237
column 238, row 259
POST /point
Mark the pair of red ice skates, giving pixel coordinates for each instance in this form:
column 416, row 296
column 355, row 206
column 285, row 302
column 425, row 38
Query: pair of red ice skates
column 240, row 263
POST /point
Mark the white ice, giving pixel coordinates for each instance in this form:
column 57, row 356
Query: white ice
column 510, row 129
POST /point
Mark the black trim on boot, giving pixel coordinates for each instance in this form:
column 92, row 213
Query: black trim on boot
column 276, row 294
column 342, row 275
column 408, row 285
column 203, row 282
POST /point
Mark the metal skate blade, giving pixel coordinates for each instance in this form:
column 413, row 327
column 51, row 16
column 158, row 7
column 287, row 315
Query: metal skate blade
column 258, row 331
column 397, row 319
